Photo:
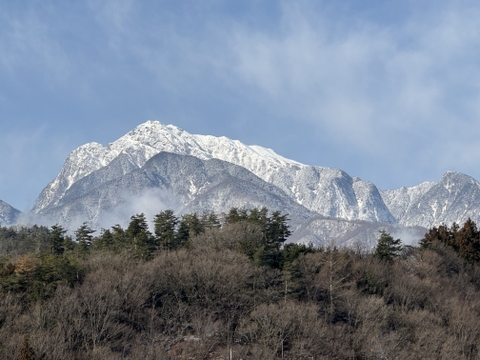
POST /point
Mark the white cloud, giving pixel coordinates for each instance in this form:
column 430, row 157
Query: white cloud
column 368, row 83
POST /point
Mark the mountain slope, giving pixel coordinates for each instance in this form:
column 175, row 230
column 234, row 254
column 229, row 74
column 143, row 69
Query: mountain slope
column 455, row 198
column 356, row 234
column 180, row 182
column 149, row 139
column 8, row 214
column 400, row 201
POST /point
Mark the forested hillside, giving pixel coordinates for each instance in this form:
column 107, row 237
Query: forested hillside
column 210, row 287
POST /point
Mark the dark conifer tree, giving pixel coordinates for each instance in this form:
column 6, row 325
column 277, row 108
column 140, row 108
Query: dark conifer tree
column 120, row 241
column 144, row 244
column 233, row 216
column 84, row 238
column 277, row 230
column 57, row 239
column 467, row 241
column 105, row 241
column 210, row 220
column 190, row 225
column 165, row 229
column 429, row 238
column 259, row 216
column 387, row 247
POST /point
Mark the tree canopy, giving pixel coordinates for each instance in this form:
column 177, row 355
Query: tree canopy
column 387, row 248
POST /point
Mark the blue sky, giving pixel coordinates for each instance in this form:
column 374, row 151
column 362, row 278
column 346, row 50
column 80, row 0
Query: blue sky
column 387, row 91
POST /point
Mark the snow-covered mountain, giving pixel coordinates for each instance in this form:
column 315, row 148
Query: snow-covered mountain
column 399, row 201
column 151, row 138
column 8, row 214
column 329, row 192
column 162, row 166
column 455, row 198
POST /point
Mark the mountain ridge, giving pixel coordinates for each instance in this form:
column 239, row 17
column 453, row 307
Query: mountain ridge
column 323, row 192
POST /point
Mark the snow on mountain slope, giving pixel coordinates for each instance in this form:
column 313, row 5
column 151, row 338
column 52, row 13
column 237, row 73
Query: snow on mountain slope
column 330, row 192
column 455, row 198
column 399, row 201
column 355, row 234
column 370, row 203
column 8, row 214
column 84, row 184
column 180, row 182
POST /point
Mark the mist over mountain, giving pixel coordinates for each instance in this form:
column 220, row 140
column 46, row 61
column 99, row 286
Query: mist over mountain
column 156, row 166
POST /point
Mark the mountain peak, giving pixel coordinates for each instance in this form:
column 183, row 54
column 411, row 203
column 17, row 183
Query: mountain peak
column 456, row 179
column 455, row 175
column 151, row 138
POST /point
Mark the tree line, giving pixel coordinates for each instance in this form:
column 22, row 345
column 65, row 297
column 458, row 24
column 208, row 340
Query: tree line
column 200, row 287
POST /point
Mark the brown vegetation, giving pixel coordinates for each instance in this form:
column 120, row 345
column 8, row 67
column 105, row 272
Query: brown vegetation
column 217, row 297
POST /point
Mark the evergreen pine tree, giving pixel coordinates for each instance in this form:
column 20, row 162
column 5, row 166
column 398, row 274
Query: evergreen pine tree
column 165, row 229
column 259, row 216
column 144, row 244
column 232, row 216
column 210, row 220
column 190, row 225
column 277, row 230
column 119, row 238
column 387, row 247
column 84, row 238
column 467, row 241
column 430, row 237
column 105, row 241
column 56, row 239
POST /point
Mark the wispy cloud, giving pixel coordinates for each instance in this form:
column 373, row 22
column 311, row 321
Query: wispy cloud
column 368, row 84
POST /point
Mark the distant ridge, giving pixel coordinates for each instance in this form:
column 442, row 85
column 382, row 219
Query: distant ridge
column 8, row 214
column 455, row 198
